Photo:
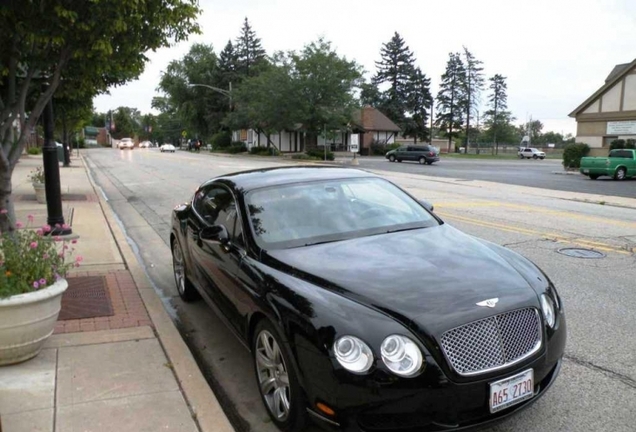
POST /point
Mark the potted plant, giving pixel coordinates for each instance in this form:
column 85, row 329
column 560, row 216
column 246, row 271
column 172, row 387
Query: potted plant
column 33, row 267
column 37, row 179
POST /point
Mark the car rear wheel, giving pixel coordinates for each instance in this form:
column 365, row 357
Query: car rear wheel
column 185, row 289
column 277, row 379
column 422, row 160
column 620, row 174
column 392, row 158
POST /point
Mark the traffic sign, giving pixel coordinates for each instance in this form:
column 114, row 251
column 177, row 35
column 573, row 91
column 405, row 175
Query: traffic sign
column 354, row 145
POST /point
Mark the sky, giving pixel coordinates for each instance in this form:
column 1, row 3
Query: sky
column 554, row 53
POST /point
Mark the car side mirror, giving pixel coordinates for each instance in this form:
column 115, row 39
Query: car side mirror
column 427, row 205
column 216, row 234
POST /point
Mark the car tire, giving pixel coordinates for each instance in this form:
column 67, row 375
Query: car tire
column 535, row 157
column 283, row 398
column 392, row 158
column 422, row 160
column 620, row 174
column 186, row 290
column 521, row 157
column 593, row 176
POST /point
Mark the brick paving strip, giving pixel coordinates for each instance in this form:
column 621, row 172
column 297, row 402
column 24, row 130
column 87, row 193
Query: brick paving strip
column 128, row 308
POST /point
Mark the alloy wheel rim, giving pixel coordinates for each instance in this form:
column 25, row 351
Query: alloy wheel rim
column 179, row 272
column 621, row 174
column 273, row 378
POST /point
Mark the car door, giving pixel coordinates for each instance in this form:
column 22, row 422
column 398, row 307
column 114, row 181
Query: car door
column 411, row 153
column 216, row 264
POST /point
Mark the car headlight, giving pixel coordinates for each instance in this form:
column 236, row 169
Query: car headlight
column 548, row 309
column 401, row 355
column 353, row 354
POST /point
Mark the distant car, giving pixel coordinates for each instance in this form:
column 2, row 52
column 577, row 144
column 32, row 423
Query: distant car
column 423, row 154
column 167, row 148
column 126, row 143
column 530, row 152
column 145, row 144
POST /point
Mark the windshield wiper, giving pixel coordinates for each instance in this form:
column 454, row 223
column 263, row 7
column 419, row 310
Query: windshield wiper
column 404, row 229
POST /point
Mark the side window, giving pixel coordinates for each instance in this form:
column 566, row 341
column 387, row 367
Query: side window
column 217, row 206
column 410, row 148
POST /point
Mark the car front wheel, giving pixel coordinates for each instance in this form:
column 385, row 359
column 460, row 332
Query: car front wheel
column 392, row 158
column 277, row 379
column 185, row 289
column 535, row 157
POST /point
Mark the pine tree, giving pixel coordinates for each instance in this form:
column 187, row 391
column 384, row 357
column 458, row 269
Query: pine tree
column 451, row 98
column 473, row 85
column 418, row 102
column 498, row 104
column 395, row 68
column 249, row 51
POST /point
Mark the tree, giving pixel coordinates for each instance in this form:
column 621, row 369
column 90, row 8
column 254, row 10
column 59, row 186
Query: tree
column 228, row 65
column 498, row 103
column 72, row 115
column 451, row 98
column 506, row 131
column 370, row 94
column 250, row 55
column 127, row 122
column 533, row 130
column 395, row 68
column 93, row 44
column 418, row 100
column 326, row 85
column 473, row 85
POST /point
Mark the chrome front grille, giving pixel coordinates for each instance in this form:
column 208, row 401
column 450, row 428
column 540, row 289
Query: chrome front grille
column 494, row 342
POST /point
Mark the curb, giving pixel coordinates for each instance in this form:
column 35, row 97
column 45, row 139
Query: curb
column 566, row 172
column 206, row 410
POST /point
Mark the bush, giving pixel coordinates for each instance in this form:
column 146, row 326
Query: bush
column 34, row 150
column 320, row 154
column 573, row 153
column 264, row 151
column 617, row 144
column 304, row 156
column 236, row 148
column 630, row 144
column 221, row 140
column 81, row 142
column 380, row 149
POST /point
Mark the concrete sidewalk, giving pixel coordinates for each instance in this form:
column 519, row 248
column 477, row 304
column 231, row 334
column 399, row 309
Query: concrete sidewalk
column 119, row 365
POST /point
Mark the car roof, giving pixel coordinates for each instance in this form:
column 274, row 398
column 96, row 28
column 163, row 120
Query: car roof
column 255, row 179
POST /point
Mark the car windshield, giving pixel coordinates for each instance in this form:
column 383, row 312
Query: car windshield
column 303, row 214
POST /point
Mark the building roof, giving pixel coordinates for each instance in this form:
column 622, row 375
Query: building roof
column 615, row 75
column 371, row 119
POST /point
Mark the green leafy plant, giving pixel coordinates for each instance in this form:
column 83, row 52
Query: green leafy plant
column 34, row 150
column 31, row 260
column 573, row 153
column 37, row 175
column 221, row 140
column 320, row 154
column 264, row 151
column 303, row 156
column 237, row 148
column 380, row 149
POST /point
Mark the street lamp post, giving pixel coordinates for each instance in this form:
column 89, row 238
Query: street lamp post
column 227, row 93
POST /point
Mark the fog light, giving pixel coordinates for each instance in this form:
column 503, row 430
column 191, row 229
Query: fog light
column 325, row 409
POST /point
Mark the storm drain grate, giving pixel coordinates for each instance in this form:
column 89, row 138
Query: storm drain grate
column 581, row 253
column 86, row 297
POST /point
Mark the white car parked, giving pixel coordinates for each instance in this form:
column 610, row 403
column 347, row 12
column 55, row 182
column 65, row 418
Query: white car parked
column 167, row 148
column 126, row 143
column 530, row 152
column 145, row 144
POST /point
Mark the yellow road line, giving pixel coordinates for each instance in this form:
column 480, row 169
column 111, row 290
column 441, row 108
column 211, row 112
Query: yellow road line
column 543, row 235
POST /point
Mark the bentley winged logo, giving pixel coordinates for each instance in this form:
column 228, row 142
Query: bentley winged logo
column 488, row 303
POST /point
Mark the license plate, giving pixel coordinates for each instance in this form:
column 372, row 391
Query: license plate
column 511, row 391
column 586, row 171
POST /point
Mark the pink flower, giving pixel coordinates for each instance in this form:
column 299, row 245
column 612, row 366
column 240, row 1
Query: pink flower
column 34, row 245
column 42, row 281
column 57, row 225
column 40, row 232
column 57, row 238
column 30, row 218
column 65, row 226
column 77, row 264
column 45, row 256
column 36, row 285
column 19, row 225
column 61, row 254
column 57, row 277
column 4, row 211
column 46, row 228
column 64, row 247
column 79, row 259
column 73, row 241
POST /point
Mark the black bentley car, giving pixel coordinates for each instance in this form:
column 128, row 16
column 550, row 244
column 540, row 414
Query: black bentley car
column 362, row 309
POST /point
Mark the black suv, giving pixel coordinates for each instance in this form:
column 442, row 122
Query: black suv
column 421, row 153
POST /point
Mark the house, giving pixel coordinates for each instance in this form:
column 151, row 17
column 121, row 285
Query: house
column 369, row 123
column 610, row 112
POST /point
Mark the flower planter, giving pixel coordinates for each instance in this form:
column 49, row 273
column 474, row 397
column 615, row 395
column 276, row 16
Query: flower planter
column 40, row 192
column 27, row 320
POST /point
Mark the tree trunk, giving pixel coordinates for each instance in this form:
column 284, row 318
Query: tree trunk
column 7, row 220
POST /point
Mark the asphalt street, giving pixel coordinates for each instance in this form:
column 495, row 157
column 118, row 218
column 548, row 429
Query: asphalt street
column 527, row 172
column 596, row 390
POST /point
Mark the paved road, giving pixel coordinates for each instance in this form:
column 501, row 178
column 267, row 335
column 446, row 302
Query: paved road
column 596, row 390
column 528, row 172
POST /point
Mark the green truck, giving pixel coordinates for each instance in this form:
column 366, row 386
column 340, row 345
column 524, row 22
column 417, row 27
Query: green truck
column 620, row 164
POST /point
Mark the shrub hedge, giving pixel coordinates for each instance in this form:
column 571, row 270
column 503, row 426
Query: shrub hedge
column 573, row 153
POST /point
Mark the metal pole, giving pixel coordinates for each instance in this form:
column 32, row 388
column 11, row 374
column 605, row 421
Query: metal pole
column 55, row 217
column 324, row 144
column 230, row 96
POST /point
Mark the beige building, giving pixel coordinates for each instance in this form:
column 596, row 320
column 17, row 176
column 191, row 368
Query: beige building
column 610, row 113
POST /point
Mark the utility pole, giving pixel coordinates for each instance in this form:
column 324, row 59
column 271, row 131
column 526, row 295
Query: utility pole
column 325, row 142
column 55, row 217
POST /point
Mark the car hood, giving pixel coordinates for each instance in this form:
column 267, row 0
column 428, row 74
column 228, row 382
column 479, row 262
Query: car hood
column 429, row 279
